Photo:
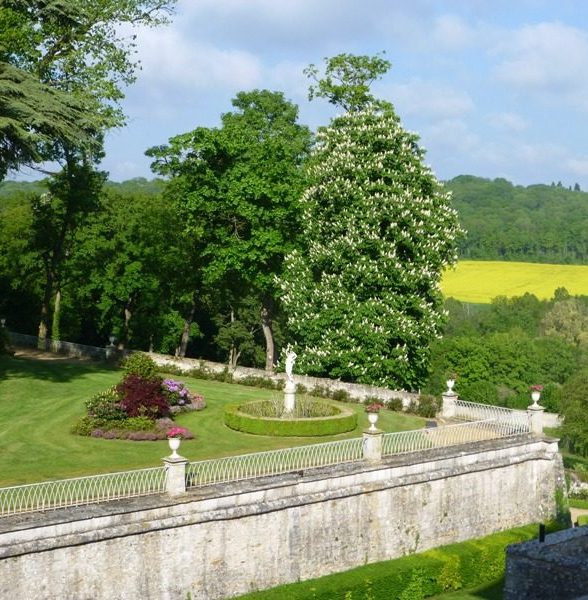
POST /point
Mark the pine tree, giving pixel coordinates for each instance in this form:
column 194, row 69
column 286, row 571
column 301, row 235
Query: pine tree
column 362, row 295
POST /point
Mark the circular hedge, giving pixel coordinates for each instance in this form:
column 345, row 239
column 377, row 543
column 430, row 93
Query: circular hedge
column 247, row 418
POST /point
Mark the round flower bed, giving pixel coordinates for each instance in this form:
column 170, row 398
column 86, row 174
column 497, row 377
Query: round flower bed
column 140, row 408
column 309, row 418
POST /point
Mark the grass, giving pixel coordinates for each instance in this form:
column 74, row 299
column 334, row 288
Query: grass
column 41, row 400
column 492, row 591
column 481, row 281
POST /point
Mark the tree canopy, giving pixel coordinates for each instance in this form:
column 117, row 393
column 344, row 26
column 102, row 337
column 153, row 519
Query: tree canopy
column 362, row 293
column 63, row 65
column 236, row 188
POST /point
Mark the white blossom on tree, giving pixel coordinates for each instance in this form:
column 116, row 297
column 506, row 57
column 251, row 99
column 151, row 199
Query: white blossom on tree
column 362, row 293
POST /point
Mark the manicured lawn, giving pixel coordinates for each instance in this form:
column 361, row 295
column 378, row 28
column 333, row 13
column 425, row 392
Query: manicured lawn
column 41, row 400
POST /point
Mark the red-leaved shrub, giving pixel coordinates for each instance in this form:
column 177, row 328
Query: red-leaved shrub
column 143, row 397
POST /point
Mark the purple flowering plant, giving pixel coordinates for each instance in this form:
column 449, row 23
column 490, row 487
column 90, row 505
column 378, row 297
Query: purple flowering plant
column 176, row 392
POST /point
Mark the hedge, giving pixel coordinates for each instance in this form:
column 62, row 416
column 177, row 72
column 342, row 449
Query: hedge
column 465, row 565
column 345, row 421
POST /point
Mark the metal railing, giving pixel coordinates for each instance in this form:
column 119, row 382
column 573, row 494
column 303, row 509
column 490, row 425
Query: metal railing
column 274, row 462
column 403, row 442
column 507, row 417
column 492, row 423
column 50, row 495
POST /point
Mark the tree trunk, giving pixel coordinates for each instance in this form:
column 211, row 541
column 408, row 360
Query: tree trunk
column 266, row 325
column 185, row 338
column 234, row 352
column 44, row 330
column 124, row 341
column 56, row 324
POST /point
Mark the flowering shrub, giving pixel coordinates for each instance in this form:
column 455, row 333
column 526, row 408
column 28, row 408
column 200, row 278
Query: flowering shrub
column 143, row 397
column 106, row 405
column 138, row 408
column 177, row 432
column 536, row 388
column 175, row 392
column 373, row 407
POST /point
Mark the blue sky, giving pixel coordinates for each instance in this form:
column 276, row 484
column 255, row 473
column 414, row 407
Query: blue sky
column 494, row 88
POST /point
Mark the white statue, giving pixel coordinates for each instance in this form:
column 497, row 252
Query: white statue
column 290, row 359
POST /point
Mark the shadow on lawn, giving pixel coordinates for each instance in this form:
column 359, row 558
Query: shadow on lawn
column 56, row 369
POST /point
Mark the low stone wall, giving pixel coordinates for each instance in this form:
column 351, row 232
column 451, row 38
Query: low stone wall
column 355, row 390
column 22, row 340
column 224, row 541
column 555, row 569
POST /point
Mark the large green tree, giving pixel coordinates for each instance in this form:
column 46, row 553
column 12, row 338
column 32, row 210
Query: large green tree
column 362, row 295
column 63, row 66
column 236, row 188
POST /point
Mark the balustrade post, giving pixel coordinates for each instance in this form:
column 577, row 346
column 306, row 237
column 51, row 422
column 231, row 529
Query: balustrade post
column 372, row 445
column 175, row 481
column 535, row 411
column 449, row 402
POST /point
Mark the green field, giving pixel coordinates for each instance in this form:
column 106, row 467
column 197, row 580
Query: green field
column 41, row 400
column 480, row 281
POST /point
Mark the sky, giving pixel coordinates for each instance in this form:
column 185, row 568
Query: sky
column 494, row 88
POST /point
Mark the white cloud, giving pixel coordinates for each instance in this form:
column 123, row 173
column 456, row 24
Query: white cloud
column 577, row 166
column 452, row 33
column 550, row 57
column 429, row 100
column 509, row 121
column 167, row 57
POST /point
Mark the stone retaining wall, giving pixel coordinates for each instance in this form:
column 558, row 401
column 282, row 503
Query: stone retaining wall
column 227, row 540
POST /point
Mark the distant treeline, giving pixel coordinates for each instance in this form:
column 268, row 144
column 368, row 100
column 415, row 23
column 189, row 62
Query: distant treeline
column 537, row 223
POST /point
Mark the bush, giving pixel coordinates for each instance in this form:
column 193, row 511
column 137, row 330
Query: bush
column 395, row 404
column 143, row 397
column 340, row 395
column 87, row 424
column 106, row 405
column 139, row 364
column 428, row 406
column 260, row 382
column 346, row 420
column 176, row 392
column 136, row 424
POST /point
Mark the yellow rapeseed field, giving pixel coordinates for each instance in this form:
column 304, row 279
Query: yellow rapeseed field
column 480, row 281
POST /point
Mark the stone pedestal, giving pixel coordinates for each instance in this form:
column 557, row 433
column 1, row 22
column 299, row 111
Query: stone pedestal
column 372, row 445
column 535, row 413
column 289, row 396
column 175, row 484
column 448, row 407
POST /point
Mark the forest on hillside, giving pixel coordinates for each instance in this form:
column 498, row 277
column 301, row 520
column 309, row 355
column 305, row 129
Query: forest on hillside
column 537, row 223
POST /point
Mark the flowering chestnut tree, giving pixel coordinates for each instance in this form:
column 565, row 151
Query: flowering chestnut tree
column 362, row 293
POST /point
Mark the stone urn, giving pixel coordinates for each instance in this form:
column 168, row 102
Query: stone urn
column 174, row 444
column 373, row 419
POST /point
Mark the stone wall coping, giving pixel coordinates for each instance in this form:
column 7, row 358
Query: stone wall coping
column 230, row 501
